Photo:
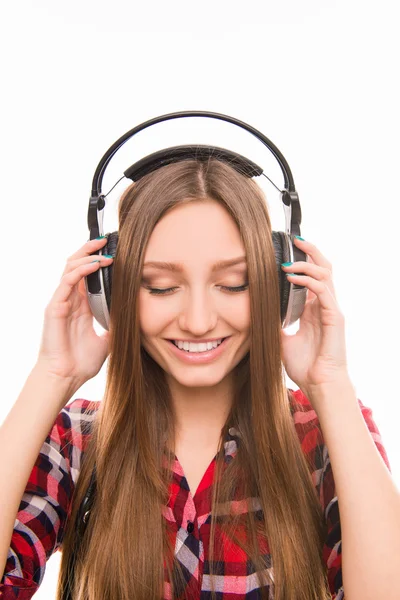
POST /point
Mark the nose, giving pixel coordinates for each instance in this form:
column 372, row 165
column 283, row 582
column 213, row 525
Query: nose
column 198, row 313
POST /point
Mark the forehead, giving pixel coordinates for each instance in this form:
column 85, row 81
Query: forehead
column 195, row 232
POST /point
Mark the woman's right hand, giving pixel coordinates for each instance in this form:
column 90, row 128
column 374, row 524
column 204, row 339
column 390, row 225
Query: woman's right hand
column 70, row 348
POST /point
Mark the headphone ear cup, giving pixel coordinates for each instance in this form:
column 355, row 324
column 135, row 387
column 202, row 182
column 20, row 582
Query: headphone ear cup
column 281, row 255
column 293, row 296
column 109, row 248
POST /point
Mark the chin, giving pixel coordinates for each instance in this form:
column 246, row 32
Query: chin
column 205, row 376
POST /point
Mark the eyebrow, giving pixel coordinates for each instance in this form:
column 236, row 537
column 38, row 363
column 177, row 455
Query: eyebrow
column 178, row 267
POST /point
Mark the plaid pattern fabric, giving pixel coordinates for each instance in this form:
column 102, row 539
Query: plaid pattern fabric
column 40, row 522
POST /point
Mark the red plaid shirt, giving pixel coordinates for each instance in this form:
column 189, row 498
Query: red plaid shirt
column 39, row 526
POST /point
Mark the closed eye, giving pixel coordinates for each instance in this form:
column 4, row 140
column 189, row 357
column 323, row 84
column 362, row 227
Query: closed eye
column 158, row 291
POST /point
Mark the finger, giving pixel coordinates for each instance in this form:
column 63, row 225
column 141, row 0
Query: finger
column 89, row 253
column 312, row 270
column 319, row 288
column 316, row 255
column 71, row 265
column 69, row 280
column 310, row 297
column 88, row 248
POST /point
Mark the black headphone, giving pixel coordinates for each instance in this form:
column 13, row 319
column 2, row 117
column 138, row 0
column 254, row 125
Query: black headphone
column 99, row 284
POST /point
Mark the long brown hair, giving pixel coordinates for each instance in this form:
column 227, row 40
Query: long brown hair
column 126, row 544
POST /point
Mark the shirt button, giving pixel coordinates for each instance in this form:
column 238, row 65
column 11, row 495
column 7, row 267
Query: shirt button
column 190, row 527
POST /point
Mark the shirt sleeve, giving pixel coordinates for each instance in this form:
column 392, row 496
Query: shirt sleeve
column 43, row 511
column 332, row 550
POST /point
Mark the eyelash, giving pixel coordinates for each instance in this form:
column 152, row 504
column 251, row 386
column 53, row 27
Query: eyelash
column 160, row 292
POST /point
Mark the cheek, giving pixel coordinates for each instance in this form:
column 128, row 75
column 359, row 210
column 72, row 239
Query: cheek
column 152, row 316
column 238, row 313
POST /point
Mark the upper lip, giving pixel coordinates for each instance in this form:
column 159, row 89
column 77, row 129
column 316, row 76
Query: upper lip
column 197, row 341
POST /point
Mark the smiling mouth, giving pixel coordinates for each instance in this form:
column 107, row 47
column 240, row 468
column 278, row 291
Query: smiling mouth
column 192, row 352
column 222, row 339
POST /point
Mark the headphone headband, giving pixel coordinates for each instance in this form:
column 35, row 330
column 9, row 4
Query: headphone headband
column 98, row 176
column 198, row 152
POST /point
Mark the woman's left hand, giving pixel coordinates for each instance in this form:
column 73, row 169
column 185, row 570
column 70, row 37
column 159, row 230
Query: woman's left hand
column 315, row 356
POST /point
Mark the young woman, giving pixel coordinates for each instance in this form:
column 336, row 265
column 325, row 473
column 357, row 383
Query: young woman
column 213, row 479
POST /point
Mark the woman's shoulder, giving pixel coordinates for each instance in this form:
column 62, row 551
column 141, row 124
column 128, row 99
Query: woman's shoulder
column 300, row 405
column 74, row 423
column 306, row 423
column 81, row 409
column 309, row 429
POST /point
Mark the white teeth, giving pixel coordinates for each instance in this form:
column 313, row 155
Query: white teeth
column 190, row 347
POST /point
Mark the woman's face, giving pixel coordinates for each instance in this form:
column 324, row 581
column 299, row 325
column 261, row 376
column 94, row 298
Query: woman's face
column 195, row 235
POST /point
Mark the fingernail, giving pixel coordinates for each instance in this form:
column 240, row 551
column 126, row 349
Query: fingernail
column 300, row 238
column 286, row 264
column 101, row 237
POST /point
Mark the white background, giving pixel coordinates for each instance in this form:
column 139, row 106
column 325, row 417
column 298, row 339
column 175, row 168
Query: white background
column 318, row 78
